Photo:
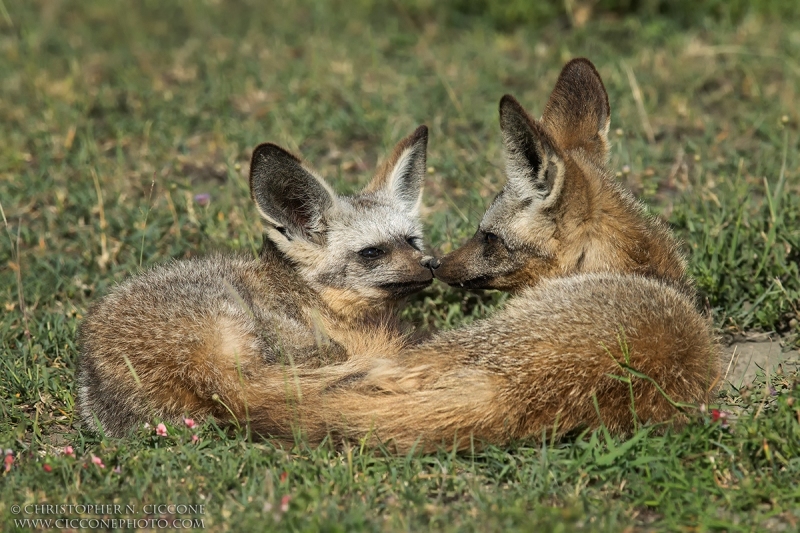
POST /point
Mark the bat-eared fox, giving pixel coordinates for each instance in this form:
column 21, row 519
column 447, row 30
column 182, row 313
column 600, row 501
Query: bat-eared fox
column 192, row 337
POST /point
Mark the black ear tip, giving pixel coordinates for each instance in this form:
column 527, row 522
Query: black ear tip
column 580, row 62
column 580, row 67
column 269, row 150
column 510, row 104
column 266, row 152
column 511, row 111
column 507, row 99
column 420, row 134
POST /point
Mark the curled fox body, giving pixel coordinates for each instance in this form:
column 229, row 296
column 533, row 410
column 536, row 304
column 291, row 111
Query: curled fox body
column 602, row 327
column 193, row 337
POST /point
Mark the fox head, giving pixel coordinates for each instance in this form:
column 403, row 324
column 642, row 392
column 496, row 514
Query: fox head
column 560, row 211
column 358, row 251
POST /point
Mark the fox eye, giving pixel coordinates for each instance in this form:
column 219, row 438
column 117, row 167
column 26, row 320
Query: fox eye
column 490, row 238
column 371, row 253
column 414, row 242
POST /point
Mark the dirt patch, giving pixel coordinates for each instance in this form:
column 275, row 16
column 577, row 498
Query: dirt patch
column 759, row 354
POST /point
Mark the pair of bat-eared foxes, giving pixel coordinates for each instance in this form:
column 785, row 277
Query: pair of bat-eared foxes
column 602, row 327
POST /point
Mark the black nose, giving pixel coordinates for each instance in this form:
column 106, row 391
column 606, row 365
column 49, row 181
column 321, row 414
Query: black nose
column 430, row 262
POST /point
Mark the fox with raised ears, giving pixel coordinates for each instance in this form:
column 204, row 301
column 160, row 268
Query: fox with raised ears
column 602, row 328
column 191, row 338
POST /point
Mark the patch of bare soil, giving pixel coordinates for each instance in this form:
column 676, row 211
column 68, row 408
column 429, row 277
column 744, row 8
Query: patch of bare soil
column 757, row 353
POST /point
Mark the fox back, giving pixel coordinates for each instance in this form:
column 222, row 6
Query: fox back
column 190, row 337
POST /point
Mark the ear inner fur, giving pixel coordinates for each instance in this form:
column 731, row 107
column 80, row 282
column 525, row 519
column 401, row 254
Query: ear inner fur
column 533, row 165
column 286, row 193
column 402, row 173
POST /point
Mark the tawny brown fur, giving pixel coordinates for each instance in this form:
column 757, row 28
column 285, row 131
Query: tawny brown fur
column 603, row 327
column 535, row 369
column 195, row 338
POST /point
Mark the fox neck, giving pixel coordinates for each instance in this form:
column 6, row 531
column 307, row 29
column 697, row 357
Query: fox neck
column 620, row 236
column 351, row 307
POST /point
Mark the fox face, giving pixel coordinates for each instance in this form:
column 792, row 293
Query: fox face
column 560, row 211
column 357, row 251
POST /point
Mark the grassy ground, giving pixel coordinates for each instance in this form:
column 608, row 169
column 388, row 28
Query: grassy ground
column 113, row 121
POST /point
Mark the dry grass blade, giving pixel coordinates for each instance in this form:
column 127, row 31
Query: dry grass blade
column 637, row 98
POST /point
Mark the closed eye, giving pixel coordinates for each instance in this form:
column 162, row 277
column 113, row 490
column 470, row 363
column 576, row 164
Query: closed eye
column 415, row 243
column 371, row 253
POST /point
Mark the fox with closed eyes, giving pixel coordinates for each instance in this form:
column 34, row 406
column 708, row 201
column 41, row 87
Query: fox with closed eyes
column 201, row 337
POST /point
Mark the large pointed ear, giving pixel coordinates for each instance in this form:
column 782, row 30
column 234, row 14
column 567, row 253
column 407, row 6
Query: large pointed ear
column 577, row 114
column 403, row 172
column 534, row 168
column 289, row 197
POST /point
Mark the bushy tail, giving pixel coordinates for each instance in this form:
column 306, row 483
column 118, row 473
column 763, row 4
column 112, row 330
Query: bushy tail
column 632, row 360
column 408, row 405
column 382, row 401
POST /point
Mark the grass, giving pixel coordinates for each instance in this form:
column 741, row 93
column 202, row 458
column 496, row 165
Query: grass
column 114, row 121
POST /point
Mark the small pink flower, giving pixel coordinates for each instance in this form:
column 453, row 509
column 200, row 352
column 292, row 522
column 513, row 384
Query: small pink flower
column 8, row 461
column 202, row 198
column 285, row 503
column 68, row 451
column 161, row 430
column 117, row 470
column 195, row 439
column 47, row 468
column 719, row 416
column 189, row 423
column 99, row 462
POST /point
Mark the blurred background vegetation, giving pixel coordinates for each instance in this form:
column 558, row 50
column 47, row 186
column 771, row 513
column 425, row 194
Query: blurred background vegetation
column 512, row 14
